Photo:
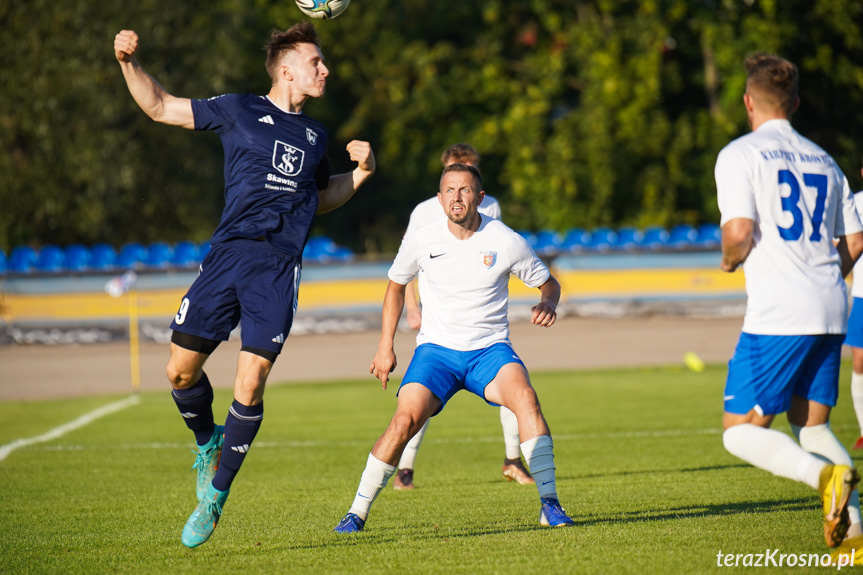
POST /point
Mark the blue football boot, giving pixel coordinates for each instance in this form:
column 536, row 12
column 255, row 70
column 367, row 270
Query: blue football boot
column 551, row 514
column 350, row 523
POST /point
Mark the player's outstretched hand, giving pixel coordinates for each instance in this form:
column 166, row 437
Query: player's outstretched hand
column 361, row 153
column 543, row 315
column 383, row 365
column 125, row 45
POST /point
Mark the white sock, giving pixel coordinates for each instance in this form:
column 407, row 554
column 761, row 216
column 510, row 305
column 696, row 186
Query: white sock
column 819, row 440
column 410, row 452
column 509, row 423
column 773, row 451
column 857, row 397
column 374, row 479
column 539, row 454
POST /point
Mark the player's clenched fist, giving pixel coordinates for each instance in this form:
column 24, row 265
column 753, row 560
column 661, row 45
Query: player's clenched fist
column 361, row 153
column 125, row 44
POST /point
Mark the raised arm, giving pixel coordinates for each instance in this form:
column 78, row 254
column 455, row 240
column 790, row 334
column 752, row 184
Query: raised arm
column 849, row 247
column 384, row 361
column 544, row 313
column 736, row 242
column 343, row 186
column 147, row 92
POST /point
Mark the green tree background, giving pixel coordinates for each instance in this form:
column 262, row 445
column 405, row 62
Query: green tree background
column 586, row 113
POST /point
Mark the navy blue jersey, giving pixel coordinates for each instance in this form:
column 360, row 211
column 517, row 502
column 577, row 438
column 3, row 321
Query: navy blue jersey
column 275, row 163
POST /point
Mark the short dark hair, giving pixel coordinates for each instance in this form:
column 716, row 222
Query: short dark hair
column 773, row 80
column 460, row 153
column 284, row 41
column 457, row 167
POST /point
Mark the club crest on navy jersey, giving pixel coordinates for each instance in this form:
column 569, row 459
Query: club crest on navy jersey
column 311, row 136
column 287, row 159
column 488, row 259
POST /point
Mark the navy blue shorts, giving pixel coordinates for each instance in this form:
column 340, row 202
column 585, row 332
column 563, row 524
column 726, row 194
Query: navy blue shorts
column 854, row 337
column 243, row 282
column 767, row 370
column 444, row 371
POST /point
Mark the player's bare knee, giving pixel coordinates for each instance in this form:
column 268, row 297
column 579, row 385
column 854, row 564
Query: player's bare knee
column 247, row 386
column 180, row 379
column 406, row 424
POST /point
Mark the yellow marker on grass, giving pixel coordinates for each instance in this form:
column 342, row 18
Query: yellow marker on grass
column 693, row 362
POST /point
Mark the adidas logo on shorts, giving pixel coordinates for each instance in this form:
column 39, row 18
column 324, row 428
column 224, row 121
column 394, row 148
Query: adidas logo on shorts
column 279, row 338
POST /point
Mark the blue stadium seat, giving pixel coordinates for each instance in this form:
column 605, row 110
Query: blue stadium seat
column 654, row 238
column 76, row 257
column 319, row 249
column 131, row 255
column 574, row 240
column 547, row 243
column 601, row 240
column 185, row 255
column 158, row 255
column 628, row 239
column 22, row 259
column 343, row 255
column 2, row 262
column 102, row 256
column 708, row 236
column 681, row 236
column 50, row 259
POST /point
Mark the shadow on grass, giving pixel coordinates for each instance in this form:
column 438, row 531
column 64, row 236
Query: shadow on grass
column 707, row 510
column 395, row 533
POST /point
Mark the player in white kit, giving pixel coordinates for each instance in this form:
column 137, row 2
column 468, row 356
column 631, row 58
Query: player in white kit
column 425, row 212
column 854, row 337
column 463, row 264
column 783, row 201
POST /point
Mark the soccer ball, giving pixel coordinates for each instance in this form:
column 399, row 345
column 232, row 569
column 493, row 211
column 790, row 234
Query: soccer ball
column 324, row 9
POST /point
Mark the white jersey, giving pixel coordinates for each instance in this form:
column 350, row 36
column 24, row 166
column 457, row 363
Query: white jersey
column 464, row 284
column 857, row 284
column 799, row 200
column 430, row 210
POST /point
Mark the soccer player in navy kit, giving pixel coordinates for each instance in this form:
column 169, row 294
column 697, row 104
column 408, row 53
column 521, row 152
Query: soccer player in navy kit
column 277, row 177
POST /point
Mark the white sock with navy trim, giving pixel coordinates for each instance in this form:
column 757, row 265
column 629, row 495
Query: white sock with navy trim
column 539, row 454
column 374, row 479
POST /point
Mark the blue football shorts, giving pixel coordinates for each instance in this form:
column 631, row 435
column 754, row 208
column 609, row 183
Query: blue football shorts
column 245, row 282
column 767, row 370
column 444, row 371
column 854, row 337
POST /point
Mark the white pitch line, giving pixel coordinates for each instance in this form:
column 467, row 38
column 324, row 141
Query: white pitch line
column 439, row 441
column 85, row 419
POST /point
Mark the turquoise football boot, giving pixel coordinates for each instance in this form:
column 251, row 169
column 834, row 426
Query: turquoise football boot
column 203, row 520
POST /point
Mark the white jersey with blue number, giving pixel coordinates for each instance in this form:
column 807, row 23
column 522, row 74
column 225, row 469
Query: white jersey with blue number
column 464, row 284
column 799, row 200
column 857, row 274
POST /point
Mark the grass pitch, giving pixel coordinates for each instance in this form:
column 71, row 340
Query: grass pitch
column 640, row 467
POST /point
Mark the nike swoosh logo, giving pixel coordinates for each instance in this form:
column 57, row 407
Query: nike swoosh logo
column 433, row 256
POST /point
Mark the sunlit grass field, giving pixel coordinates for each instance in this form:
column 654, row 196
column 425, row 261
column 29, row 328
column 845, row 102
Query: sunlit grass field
column 640, row 467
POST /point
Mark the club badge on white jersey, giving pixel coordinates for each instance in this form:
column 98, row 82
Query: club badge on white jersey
column 488, row 259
